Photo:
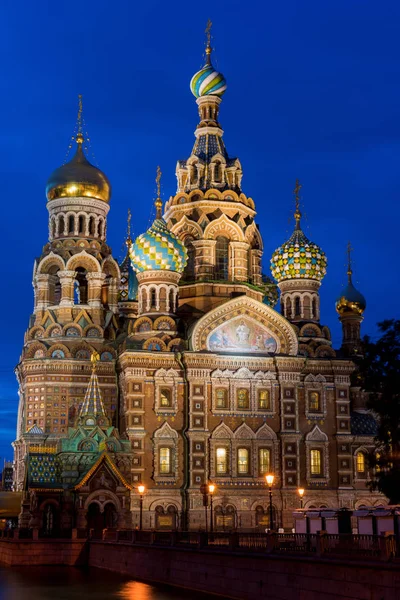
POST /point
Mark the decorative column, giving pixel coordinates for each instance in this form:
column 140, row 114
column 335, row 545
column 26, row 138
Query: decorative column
column 164, row 281
column 205, row 259
column 42, row 293
column 255, row 273
column 95, row 282
column 239, row 263
column 113, row 294
column 296, row 288
column 67, row 279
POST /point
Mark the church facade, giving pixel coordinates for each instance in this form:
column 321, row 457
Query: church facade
column 197, row 377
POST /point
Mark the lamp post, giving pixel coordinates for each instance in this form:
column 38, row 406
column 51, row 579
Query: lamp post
column 301, row 491
column 141, row 489
column 270, row 480
column 211, row 489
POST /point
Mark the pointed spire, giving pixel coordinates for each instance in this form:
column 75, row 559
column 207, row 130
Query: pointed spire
column 158, row 202
column 93, row 403
column 297, row 213
column 349, row 269
column 79, row 122
column 128, row 240
column 208, row 42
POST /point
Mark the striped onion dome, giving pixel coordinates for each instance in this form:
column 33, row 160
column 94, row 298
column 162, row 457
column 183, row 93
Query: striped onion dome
column 208, row 81
column 158, row 249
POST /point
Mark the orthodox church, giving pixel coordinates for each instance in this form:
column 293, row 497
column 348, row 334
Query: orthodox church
column 175, row 369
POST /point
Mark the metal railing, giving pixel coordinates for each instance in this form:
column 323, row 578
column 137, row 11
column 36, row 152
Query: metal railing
column 363, row 547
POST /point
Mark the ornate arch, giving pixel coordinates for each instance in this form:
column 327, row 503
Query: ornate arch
column 85, row 260
column 266, row 433
column 253, row 233
column 259, row 313
column 110, row 267
column 166, row 431
column 50, row 261
column 35, row 347
column 222, row 431
column 223, row 226
column 316, row 435
column 60, row 347
column 186, row 227
column 244, row 432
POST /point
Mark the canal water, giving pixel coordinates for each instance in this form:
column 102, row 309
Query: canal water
column 69, row 583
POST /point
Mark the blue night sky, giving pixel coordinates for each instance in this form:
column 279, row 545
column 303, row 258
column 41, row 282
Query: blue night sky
column 313, row 92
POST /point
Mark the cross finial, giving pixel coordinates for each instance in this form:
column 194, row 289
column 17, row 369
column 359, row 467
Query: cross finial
column 208, row 40
column 128, row 228
column 297, row 213
column 79, row 122
column 349, row 269
column 158, row 201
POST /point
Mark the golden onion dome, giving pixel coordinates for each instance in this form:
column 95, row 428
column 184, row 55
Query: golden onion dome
column 78, row 178
column 350, row 300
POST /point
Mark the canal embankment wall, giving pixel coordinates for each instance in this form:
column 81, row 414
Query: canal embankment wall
column 236, row 575
column 250, row 577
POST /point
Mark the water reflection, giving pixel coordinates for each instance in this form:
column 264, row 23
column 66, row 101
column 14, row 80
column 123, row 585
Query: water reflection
column 68, row 583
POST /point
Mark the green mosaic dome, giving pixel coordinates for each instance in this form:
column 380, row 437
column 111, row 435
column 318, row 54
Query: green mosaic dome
column 298, row 258
column 158, row 249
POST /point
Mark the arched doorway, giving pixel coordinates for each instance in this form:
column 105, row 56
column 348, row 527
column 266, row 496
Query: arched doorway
column 50, row 520
column 101, row 519
column 166, row 519
column 110, row 516
column 263, row 518
column 225, row 518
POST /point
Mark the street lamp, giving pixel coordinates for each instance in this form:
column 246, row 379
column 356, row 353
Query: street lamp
column 211, row 489
column 301, row 491
column 141, row 490
column 270, row 480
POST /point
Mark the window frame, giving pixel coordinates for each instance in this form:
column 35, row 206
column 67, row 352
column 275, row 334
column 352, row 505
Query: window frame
column 260, row 462
column 161, row 471
column 218, row 472
column 314, row 452
column 240, row 462
column 243, row 389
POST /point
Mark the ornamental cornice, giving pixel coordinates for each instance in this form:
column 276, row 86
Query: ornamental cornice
column 289, row 285
column 210, row 203
column 282, row 330
column 80, row 202
column 158, row 276
column 207, row 131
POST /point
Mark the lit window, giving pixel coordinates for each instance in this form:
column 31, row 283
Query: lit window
column 243, row 398
column 314, row 402
column 243, row 461
column 315, row 456
column 221, row 398
column 222, row 258
column 165, row 460
column 263, row 399
column 264, row 465
column 165, row 397
column 360, row 462
column 222, row 465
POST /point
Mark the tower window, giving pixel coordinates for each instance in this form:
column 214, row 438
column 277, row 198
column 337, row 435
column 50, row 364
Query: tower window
column 222, row 258
column 189, row 272
column 153, row 299
column 314, row 309
column 71, row 224
column 91, row 226
column 315, row 462
column 81, row 224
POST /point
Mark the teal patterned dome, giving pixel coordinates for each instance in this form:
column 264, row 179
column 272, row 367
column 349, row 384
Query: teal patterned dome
column 158, row 249
column 298, row 258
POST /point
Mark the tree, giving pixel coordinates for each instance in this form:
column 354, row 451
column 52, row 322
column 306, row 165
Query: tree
column 379, row 371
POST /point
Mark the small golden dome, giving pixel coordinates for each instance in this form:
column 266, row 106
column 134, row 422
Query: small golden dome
column 78, row 178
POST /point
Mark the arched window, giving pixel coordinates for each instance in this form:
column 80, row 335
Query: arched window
column 314, row 402
column 80, row 287
column 61, row 226
column 314, row 309
column 165, row 397
column 217, row 171
column 91, row 226
column 297, row 307
column 221, row 398
column 153, row 298
column 222, row 258
column 361, row 463
column 189, row 272
column 53, row 228
column 81, row 224
column 165, row 461
column 243, row 398
column 71, row 224
column 99, row 227
column 263, row 399
column 171, row 301
column 288, row 311
column 264, row 461
column 243, row 461
column 315, row 463
column 221, row 461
